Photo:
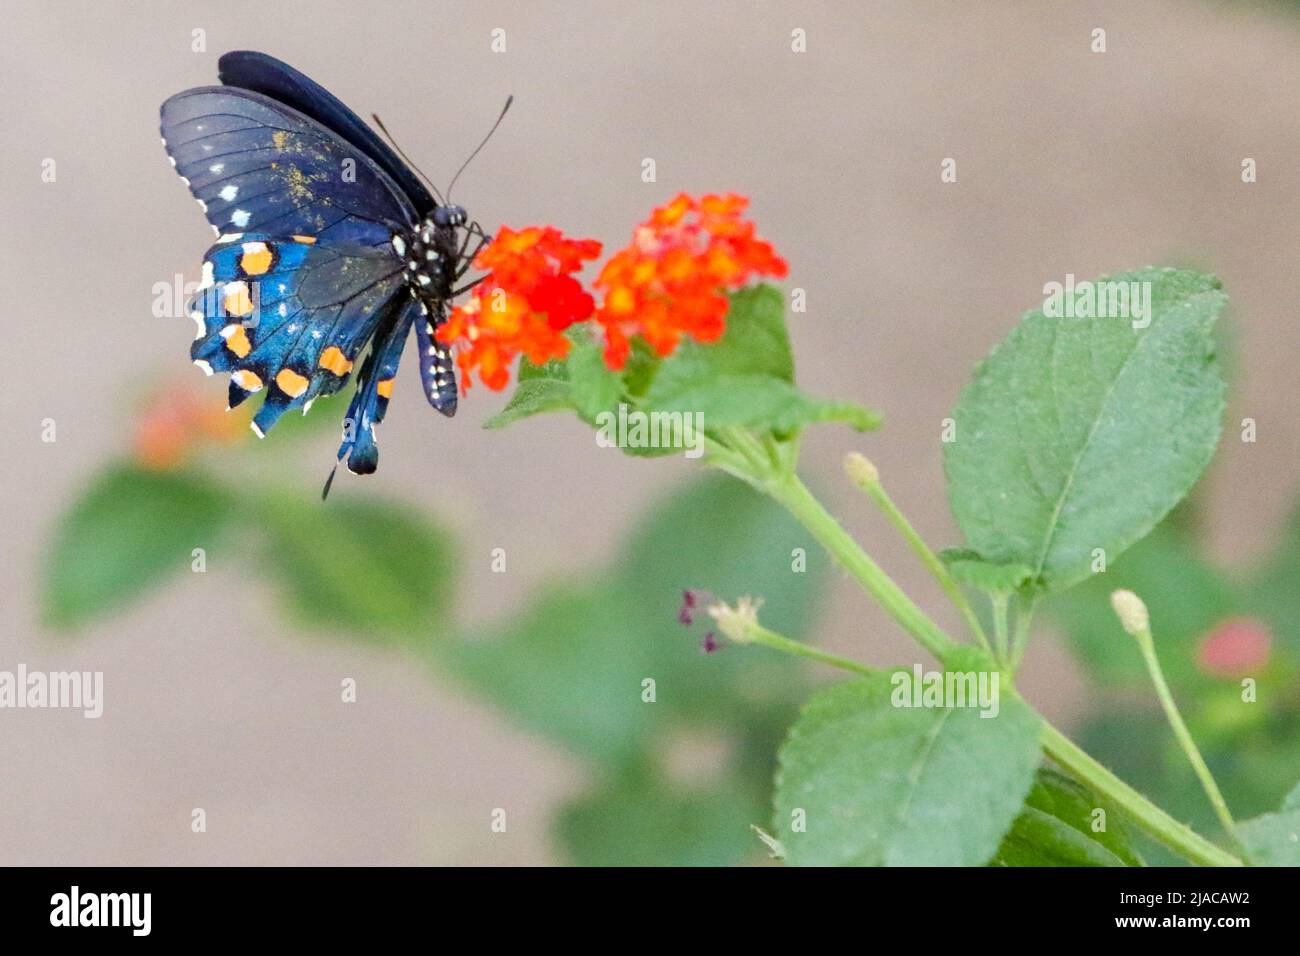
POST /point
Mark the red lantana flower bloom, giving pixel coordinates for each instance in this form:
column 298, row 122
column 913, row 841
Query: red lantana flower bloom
column 522, row 306
column 670, row 281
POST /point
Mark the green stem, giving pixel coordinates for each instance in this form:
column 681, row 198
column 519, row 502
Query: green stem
column 1020, row 636
column 865, row 476
column 751, row 632
column 1000, row 638
column 1147, row 645
column 795, row 496
column 1158, row 824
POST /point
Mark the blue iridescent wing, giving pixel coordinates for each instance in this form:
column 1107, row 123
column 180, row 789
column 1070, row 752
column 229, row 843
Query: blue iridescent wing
column 259, row 166
column 375, row 388
column 289, row 316
column 265, row 74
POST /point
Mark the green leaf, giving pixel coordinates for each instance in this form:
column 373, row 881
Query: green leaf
column 1078, row 434
column 555, row 368
column 533, row 396
column 755, row 343
column 761, row 402
column 1055, row 828
column 889, row 785
column 652, row 822
column 642, row 366
column 969, row 568
column 595, row 387
column 1274, row 838
column 571, row 666
column 378, row 570
column 126, row 534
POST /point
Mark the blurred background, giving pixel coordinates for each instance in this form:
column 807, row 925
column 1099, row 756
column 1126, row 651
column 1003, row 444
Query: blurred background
column 519, row 690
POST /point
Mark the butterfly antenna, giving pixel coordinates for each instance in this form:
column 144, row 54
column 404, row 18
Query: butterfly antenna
column 389, row 136
column 509, row 99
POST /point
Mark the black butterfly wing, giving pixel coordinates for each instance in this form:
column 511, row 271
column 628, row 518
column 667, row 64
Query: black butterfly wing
column 260, row 73
column 259, row 166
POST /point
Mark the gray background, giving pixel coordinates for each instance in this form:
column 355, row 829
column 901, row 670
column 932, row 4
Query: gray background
column 1067, row 161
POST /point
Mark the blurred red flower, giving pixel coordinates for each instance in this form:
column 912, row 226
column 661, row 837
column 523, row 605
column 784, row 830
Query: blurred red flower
column 176, row 420
column 1235, row 648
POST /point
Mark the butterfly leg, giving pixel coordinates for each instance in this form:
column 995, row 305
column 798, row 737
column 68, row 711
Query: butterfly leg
column 467, row 287
column 468, row 261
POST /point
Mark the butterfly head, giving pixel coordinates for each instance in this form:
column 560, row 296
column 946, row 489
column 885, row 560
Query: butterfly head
column 449, row 216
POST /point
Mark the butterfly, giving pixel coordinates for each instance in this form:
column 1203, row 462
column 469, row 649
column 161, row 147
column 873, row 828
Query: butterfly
column 328, row 245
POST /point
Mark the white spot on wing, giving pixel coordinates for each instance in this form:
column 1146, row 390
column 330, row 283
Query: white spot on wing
column 240, row 217
column 228, row 193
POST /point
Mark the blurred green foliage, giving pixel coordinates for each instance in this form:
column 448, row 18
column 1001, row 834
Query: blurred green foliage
column 1253, row 748
column 570, row 666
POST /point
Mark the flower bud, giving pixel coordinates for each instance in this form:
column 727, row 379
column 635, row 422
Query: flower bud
column 1131, row 611
column 860, row 469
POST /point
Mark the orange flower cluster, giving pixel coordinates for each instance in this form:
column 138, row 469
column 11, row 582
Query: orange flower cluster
column 176, row 420
column 522, row 306
column 669, row 282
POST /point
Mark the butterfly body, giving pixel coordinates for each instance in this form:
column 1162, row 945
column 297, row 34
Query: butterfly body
column 329, row 249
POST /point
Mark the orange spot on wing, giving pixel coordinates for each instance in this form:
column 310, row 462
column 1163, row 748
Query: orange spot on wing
column 305, row 240
column 237, row 340
column 248, row 381
column 237, row 301
column 335, row 361
column 290, row 382
column 385, row 388
column 256, row 259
